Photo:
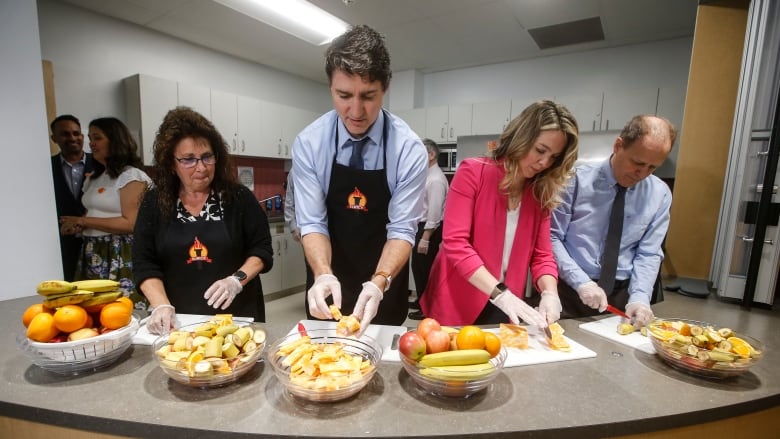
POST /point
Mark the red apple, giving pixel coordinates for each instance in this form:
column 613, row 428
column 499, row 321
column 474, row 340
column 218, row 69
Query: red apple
column 427, row 325
column 437, row 341
column 411, row 345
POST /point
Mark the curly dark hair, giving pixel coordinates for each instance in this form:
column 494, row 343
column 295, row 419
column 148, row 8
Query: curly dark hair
column 181, row 123
column 360, row 51
column 122, row 149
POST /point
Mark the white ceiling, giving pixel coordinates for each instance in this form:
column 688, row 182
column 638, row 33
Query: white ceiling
column 426, row 35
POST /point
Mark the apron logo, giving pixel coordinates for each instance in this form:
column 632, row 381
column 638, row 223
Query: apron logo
column 198, row 252
column 356, row 201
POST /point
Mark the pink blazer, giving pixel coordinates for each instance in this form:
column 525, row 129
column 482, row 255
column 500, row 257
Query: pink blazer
column 473, row 236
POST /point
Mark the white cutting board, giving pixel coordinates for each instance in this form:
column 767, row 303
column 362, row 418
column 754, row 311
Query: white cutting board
column 144, row 337
column 607, row 328
column 538, row 350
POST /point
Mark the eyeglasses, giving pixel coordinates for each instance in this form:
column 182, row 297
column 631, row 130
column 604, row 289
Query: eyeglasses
column 190, row 162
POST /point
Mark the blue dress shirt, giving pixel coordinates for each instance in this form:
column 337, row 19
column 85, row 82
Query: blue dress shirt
column 312, row 158
column 579, row 228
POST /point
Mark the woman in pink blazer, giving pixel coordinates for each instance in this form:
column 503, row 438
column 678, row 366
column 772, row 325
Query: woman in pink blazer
column 497, row 225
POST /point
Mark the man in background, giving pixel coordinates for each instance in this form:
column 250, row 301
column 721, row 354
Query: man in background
column 429, row 229
column 581, row 225
column 69, row 168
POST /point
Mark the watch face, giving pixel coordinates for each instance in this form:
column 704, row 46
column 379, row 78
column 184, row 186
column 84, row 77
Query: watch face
column 240, row 275
column 501, row 287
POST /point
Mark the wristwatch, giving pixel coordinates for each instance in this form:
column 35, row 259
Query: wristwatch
column 387, row 277
column 498, row 289
column 240, row 275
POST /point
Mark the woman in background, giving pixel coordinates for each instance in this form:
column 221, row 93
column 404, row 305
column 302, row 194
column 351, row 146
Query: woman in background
column 497, row 225
column 111, row 196
column 201, row 237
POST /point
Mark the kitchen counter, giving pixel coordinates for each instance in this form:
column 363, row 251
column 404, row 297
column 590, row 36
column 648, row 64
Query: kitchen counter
column 622, row 391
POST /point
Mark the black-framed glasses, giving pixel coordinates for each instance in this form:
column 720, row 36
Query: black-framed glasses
column 190, row 162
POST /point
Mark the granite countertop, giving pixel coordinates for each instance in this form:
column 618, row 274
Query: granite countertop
column 621, row 391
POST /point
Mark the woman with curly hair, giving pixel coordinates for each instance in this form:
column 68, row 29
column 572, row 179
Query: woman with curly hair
column 201, row 237
column 111, row 196
column 497, row 225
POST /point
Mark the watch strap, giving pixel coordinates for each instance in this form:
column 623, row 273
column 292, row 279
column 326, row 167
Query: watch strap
column 387, row 277
column 497, row 290
column 240, row 275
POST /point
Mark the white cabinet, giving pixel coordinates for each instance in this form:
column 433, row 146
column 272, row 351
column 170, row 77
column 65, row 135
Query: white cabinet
column 520, row 104
column 415, row 118
column 671, row 105
column 620, row 106
column 490, row 117
column 271, row 129
column 148, row 100
column 249, row 113
column 585, row 108
column 446, row 123
column 294, row 120
column 196, row 97
column 224, row 116
column 289, row 270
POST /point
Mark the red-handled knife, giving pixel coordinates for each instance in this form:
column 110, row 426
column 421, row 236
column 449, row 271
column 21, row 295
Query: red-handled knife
column 302, row 329
column 614, row 310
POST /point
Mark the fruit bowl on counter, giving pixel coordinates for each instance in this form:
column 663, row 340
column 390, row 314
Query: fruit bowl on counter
column 323, row 366
column 74, row 357
column 208, row 354
column 704, row 349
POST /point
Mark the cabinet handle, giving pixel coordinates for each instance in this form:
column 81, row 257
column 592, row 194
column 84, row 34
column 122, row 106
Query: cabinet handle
column 442, row 132
column 594, row 126
column 279, row 248
column 452, row 132
column 234, row 143
column 279, row 149
column 286, row 151
column 285, row 244
column 243, row 146
column 766, row 241
column 607, row 125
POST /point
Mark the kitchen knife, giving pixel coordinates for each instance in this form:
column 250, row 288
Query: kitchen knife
column 301, row 329
column 547, row 332
column 614, row 310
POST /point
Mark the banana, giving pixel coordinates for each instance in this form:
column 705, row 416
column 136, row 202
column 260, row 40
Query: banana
column 464, row 372
column 73, row 298
column 100, row 298
column 97, row 285
column 51, row 287
column 459, row 357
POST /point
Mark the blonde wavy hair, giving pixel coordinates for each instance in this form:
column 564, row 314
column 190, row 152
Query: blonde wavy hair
column 517, row 140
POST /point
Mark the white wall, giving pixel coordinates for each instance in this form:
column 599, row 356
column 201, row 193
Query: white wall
column 92, row 53
column 30, row 245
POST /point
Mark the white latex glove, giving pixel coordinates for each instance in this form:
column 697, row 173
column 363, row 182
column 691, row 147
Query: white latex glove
column 222, row 292
column 550, row 307
column 422, row 247
column 162, row 320
column 324, row 286
column 592, row 295
column 640, row 313
column 367, row 305
column 517, row 309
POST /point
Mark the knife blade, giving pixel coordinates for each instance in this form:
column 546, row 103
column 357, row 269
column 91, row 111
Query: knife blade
column 547, row 332
column 614, row 310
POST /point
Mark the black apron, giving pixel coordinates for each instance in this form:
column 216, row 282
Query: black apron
column 195, row 255
column 357, row 204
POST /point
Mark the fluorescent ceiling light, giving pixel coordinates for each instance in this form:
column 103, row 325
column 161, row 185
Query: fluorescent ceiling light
column 296, row 17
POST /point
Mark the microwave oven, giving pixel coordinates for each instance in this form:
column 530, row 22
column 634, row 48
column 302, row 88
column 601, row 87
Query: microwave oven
column 448, row 158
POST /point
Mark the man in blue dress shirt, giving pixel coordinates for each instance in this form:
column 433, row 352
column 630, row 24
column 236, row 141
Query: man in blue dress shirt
column 580, row 223
column 359, row 177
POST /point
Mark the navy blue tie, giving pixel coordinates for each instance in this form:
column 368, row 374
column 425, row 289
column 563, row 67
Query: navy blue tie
column 612, row 245
column 356, row 161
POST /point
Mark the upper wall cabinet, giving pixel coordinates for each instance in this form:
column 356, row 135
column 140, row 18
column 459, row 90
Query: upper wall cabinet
column 293, row 122
column 196, row 97
column 490, row 117
column 415, row 118
column 224, row 116
column 148, row 100
column 445, row 123
column 249, row 113
column 621, row 105
column 585, row 108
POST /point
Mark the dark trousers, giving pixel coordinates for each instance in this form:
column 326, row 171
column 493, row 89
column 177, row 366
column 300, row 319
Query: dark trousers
column 574, row 308
column 422, row 263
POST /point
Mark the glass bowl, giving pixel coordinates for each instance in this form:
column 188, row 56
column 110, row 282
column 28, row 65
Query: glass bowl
column 355, row 364
column 219, row 371
column 74, row 357
column 457, row 387
column 674, row 343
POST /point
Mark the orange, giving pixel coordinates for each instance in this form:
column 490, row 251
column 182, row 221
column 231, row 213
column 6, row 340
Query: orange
column 115, row 315
column 470, row 337
column 70, row 318
column 492, row 344
column 32, row 311
column 740, row 347
column 42, row 327
column 94, row 309
column 127, row 301
column 90, row 322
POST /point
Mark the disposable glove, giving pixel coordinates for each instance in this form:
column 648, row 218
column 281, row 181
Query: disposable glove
column 162, row 320
column 222, row 292
column 640, row 313
column 592, row 295
column 367, row 305
column 422, row 247
column 324, row 286
column 517, row 309
column 550, row 307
